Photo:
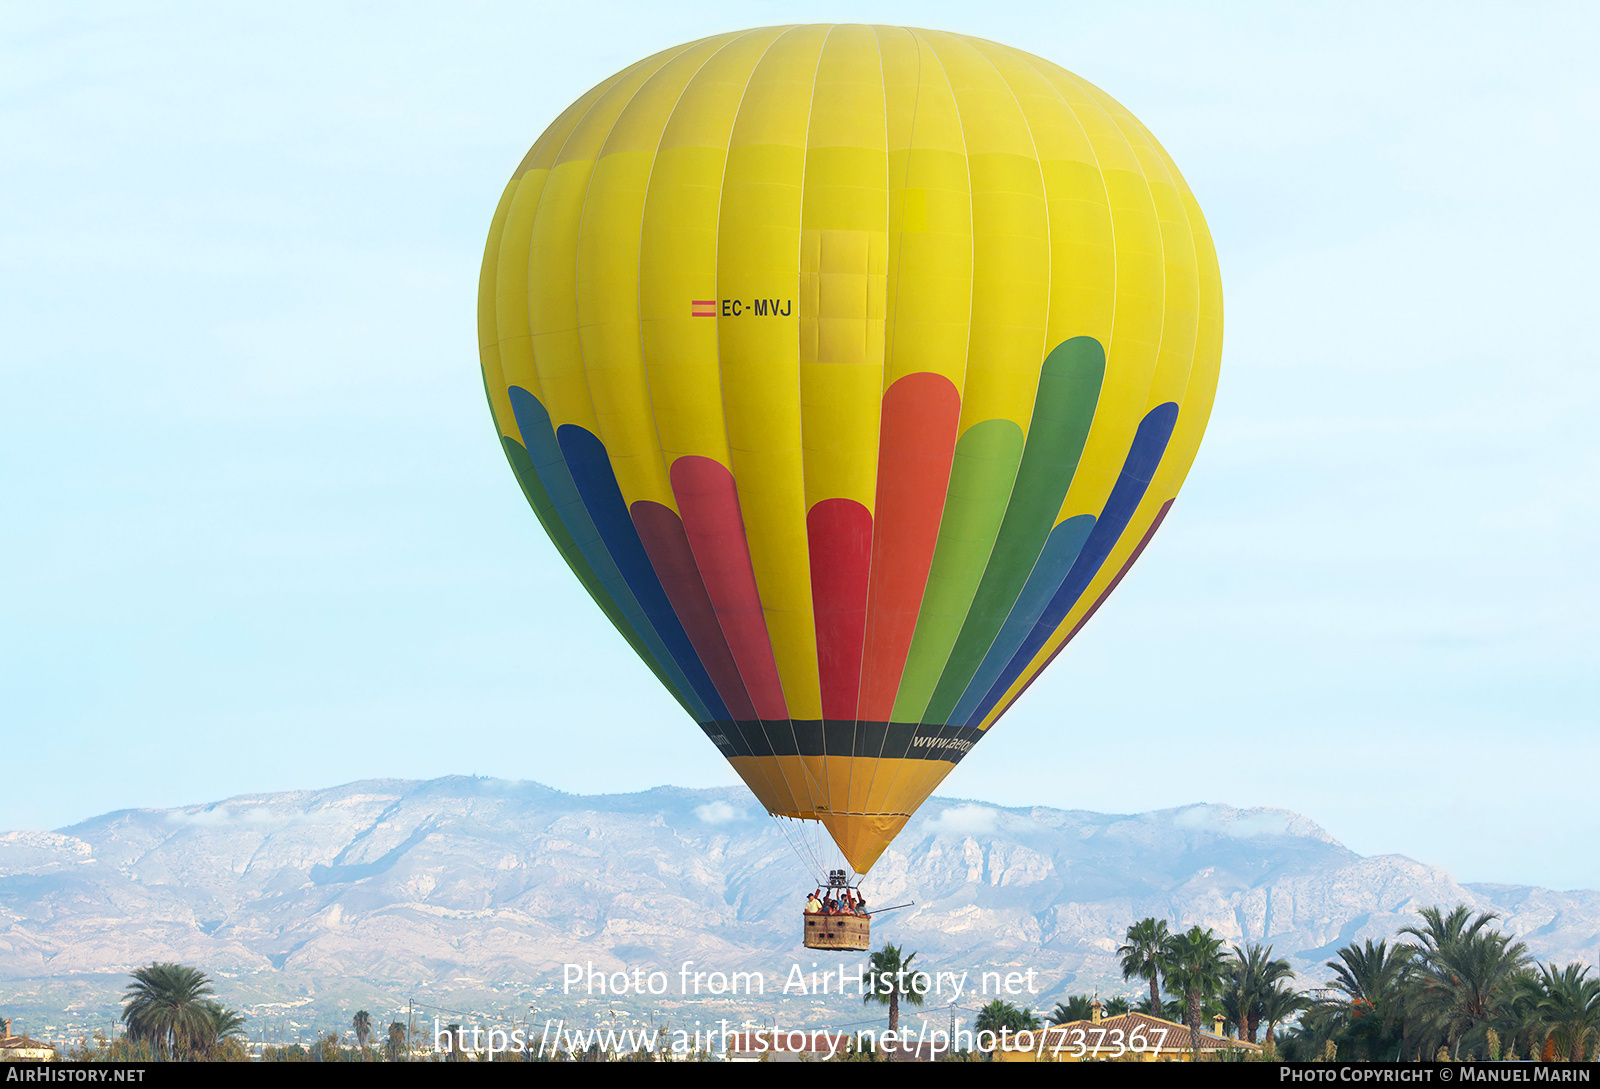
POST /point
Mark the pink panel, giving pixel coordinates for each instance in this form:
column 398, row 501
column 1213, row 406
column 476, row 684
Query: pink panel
column 709, row 502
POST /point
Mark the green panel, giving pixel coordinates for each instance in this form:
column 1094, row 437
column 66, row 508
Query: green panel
column 1069, row 389
column 981, row 475
column 539, row 500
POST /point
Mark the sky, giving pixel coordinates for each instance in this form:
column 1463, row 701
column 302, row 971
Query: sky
column 258, row 534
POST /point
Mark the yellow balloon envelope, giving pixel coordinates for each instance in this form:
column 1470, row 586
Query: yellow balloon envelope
column 850, row 368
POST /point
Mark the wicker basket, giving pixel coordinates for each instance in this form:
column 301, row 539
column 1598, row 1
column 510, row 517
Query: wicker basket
column 852, row 932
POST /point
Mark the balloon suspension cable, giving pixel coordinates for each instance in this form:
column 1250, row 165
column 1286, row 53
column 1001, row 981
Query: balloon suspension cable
column 814, row 847
column 799, row 841
column 788, row 837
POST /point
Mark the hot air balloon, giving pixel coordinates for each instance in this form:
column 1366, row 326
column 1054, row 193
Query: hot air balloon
column 850, row 368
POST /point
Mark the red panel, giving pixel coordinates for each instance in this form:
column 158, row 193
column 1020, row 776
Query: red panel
column 917, row 442
column 709, row 501
column 840, row 535
column 668, row 548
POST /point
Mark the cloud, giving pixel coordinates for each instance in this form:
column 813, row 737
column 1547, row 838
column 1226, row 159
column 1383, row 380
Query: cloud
column 966, row 820
column 718, row 813
column 212, row 815
column 260, row 814
column 1232, row 822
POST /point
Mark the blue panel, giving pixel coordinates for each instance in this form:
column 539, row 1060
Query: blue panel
column 1055, row 564
column 597, row 484
column 1149, row 443
column 534, row 423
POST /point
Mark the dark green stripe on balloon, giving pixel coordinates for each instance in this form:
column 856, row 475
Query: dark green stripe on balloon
column 1063, row 409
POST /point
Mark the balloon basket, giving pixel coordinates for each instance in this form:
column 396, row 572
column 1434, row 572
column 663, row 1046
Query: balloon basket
column 839, row 932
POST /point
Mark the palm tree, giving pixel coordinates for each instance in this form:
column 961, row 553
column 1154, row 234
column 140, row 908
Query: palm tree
column 1279, row 1003
column 1001, row 1016
column 891, row 978
column 1569, row 1003
column 1375, row 981
column 1193, row 962
column 224, row 1027
column 1174, row 1009
column 1078, row 1007
column 1116, row 1007
column 1466, row 976
column 362, row 1023
column 1520, row 1020
column 1237, row 1002
column 166, row 1006
column 1253, row 973
column 1374, row 974
column 1141, row 956
column 995, row 1016
column 397, row 1041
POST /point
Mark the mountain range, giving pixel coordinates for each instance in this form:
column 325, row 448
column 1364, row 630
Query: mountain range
column 470, row 897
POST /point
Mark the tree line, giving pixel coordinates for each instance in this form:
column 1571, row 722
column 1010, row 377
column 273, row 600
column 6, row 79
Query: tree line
column 1246, row 985
column 1450, row 987
column 1453, row 987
